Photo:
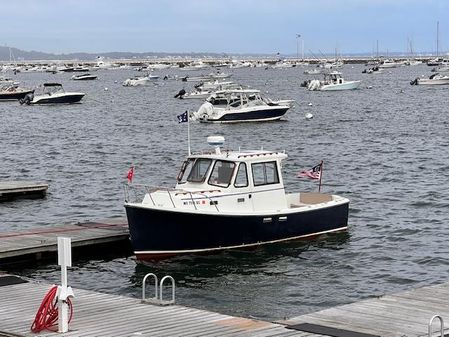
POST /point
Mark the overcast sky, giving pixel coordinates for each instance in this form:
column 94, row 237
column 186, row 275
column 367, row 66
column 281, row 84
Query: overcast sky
column 224, row 26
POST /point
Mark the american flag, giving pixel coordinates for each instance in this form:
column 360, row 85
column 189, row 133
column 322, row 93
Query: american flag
column 313, row 173
column 183, row 118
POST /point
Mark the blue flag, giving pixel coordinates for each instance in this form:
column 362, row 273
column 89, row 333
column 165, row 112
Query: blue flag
column 183, row 118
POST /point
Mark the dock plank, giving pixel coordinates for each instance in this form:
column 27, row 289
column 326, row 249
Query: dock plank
column 31, row 244
column 21, row 189
column 97, row 314
column 395, row 315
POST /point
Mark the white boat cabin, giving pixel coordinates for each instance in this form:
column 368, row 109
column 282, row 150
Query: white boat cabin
column 240, row 182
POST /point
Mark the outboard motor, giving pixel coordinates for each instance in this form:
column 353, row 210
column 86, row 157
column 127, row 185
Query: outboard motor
column 27, row 99
column 304, row 84
column 414, row 82
column 180, row 94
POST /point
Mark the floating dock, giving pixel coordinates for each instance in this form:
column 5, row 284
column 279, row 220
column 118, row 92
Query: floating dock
column 97, row 314
column 10, row 190
column 403, row 314
column 42, row 243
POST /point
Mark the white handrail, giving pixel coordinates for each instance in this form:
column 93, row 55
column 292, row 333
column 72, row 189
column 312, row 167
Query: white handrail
column 155, row 286
column 173, row 288
column 441, row 325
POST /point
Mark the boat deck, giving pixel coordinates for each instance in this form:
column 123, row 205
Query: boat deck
column 97, row 314
column 21, row 189
column 41, row 242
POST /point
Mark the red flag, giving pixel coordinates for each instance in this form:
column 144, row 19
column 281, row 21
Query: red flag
column 130, row 174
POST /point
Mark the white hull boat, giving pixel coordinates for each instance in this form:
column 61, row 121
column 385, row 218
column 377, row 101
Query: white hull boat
column 435, row 79
column 140, row 81
column 234, row 106
column 53, row 93
column 332, row 82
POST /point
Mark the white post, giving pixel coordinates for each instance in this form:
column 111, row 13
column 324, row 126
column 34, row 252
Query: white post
column 64, row 292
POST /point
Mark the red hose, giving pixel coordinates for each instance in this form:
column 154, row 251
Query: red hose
column 47, row 315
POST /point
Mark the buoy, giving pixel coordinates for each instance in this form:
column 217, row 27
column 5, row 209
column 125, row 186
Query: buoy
column 310, row 104
column 369, row 87
column 115, row 81
column 105, row 89
column 309, row 115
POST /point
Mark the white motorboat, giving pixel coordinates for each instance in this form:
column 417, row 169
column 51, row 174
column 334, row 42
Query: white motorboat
column 373, row 70
column 209, row 77
column 315, row 71
column 140, row 81
column 204, row 90
column 84, row 77
column 53, row 93
column 12, row 92
column 435, row 79
column 390, row 64
column 231, row 106
column 332, row 82
column 227, row 200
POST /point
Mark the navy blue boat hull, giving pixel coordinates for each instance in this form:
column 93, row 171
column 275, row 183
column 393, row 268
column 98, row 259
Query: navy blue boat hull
column 63, row 99
column 156, row 233
column 260, row 115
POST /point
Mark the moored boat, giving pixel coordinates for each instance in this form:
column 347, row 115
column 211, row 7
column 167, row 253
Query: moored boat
column 227, row 200
column 435, row 79
column 332, row 82
column 240, row 105
column 84, row 77
column 53, row 93
column 13, row 92
column 140, row 81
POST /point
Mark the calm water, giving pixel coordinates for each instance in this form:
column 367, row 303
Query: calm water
column 384, row 147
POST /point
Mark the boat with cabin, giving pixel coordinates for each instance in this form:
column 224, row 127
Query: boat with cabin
column 204, row 89
column 53, row 93
column 140, row 81
column 240, row 105
column 333, row 81
column 227, row 200
column 434, row 79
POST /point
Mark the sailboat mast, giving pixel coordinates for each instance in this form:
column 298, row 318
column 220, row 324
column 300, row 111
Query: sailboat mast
column 438, row 36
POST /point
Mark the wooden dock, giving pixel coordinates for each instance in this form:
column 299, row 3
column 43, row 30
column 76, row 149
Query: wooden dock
column 41, row 243
column 397, row 315
column 21, row 189
column 97, row 314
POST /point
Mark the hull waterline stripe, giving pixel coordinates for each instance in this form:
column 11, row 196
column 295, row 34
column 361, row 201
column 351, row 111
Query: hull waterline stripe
column 149, row 252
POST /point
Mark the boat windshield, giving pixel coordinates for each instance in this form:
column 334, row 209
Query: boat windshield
column 221, row 173
column 186, row 166
column 199, row 170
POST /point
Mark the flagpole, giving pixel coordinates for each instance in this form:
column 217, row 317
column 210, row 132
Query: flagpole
column 188, row 132
column 321, row 176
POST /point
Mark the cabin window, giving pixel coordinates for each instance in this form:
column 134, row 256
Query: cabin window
column 221, row 173
column 186, row 166
column 199, row 170
column 265, row 173
column 241, row 179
